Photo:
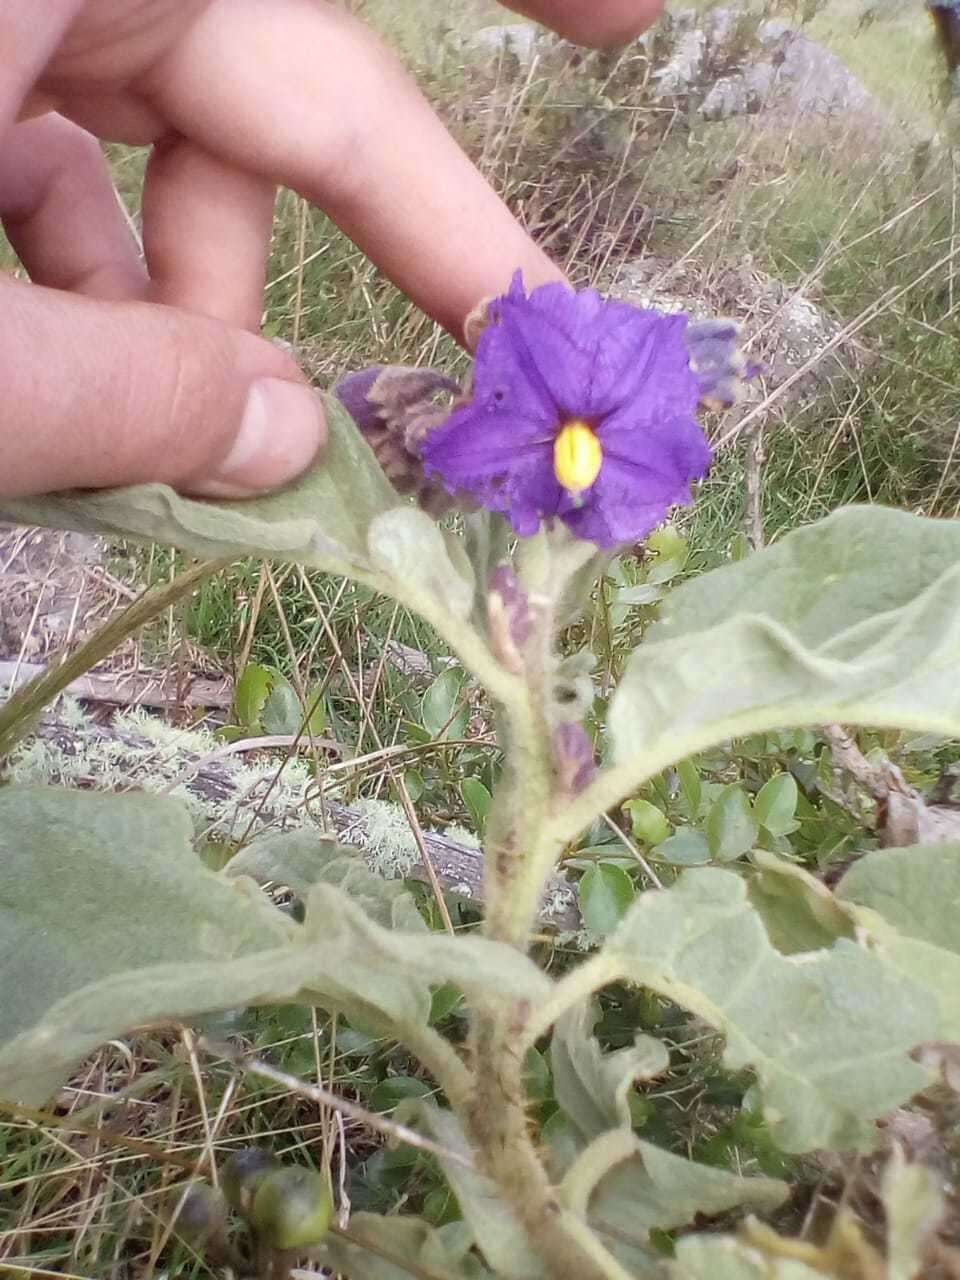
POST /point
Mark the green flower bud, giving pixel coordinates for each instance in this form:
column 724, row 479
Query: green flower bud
column 292, row 1208
column 242, row 1175
column 201, row 1214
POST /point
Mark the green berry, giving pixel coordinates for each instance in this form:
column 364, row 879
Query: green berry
column 292, row 1208
column 242, row 1175
column 200, row 1213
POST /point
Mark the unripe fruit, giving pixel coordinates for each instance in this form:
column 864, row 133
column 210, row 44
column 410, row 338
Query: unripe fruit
column 292, row 1208
column 200, row 1214
column 242, row 1175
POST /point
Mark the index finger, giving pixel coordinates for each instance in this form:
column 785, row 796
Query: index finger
column 29, row 33
column 302, row 94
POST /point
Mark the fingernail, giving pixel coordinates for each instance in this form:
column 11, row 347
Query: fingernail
column 281, row 432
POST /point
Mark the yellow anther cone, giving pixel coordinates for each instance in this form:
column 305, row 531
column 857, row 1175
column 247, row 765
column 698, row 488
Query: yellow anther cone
column 577, row 456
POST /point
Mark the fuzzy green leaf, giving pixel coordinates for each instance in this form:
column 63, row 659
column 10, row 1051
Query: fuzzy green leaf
column 854, row 619
column 322, row 520
column 109, row 921
column 798, row 911
column 591, row 1086
column 906, row 901
column 725, row 1258
column 828, row 1033
column 301, row 859
column 654, row 1188
column 495, row 1227
column 402, row 1248
column 408, row 546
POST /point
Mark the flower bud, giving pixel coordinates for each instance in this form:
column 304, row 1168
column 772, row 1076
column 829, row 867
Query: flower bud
column 572, row 757
column 395, row 408
column 508, row 618
column 242, row 1175
column 292, row 1208
column 718, row 362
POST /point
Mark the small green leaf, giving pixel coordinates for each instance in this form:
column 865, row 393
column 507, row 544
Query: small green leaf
column 282, row 712
column 685, row 848
column 389, row 1093
column 438, row 708
column 478, row 800
column 413, row 780
column 317, row 719
column 776, row 804
column 650, row 825
column 691, row 787
column 446, row 999
column 251, row 693
column 604, row 892
column 731, row 827
column 672, row 550
column 536, row 1076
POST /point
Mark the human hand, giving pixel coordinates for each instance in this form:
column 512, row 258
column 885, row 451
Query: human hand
column 119, row 371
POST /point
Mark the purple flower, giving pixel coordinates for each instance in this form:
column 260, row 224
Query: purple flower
column 583, row 410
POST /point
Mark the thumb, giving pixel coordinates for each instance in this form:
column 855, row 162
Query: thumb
column 94, row 394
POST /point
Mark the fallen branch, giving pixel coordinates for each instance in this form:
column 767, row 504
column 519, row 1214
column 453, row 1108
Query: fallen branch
column 131, row 688
column 458, row 867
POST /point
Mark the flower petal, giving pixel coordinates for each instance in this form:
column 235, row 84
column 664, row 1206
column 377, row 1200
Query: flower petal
column 669, row 446
column 625, row 503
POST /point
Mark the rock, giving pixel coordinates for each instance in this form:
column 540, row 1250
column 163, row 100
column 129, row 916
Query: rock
column 736, row 65
column 519, row 38
column 809, row 79
column 783, row 329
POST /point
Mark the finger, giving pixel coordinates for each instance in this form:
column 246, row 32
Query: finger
column 206, row 233
column 104, row 393
column 61, row 213
column 601, row 23
column 315, row 102
column 29, row 33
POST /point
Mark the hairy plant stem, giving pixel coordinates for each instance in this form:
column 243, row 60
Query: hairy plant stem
column 19, row 712
column 518, row 860
column 496, row 1124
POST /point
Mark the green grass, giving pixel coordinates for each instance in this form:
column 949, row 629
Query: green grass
column 585, row 152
